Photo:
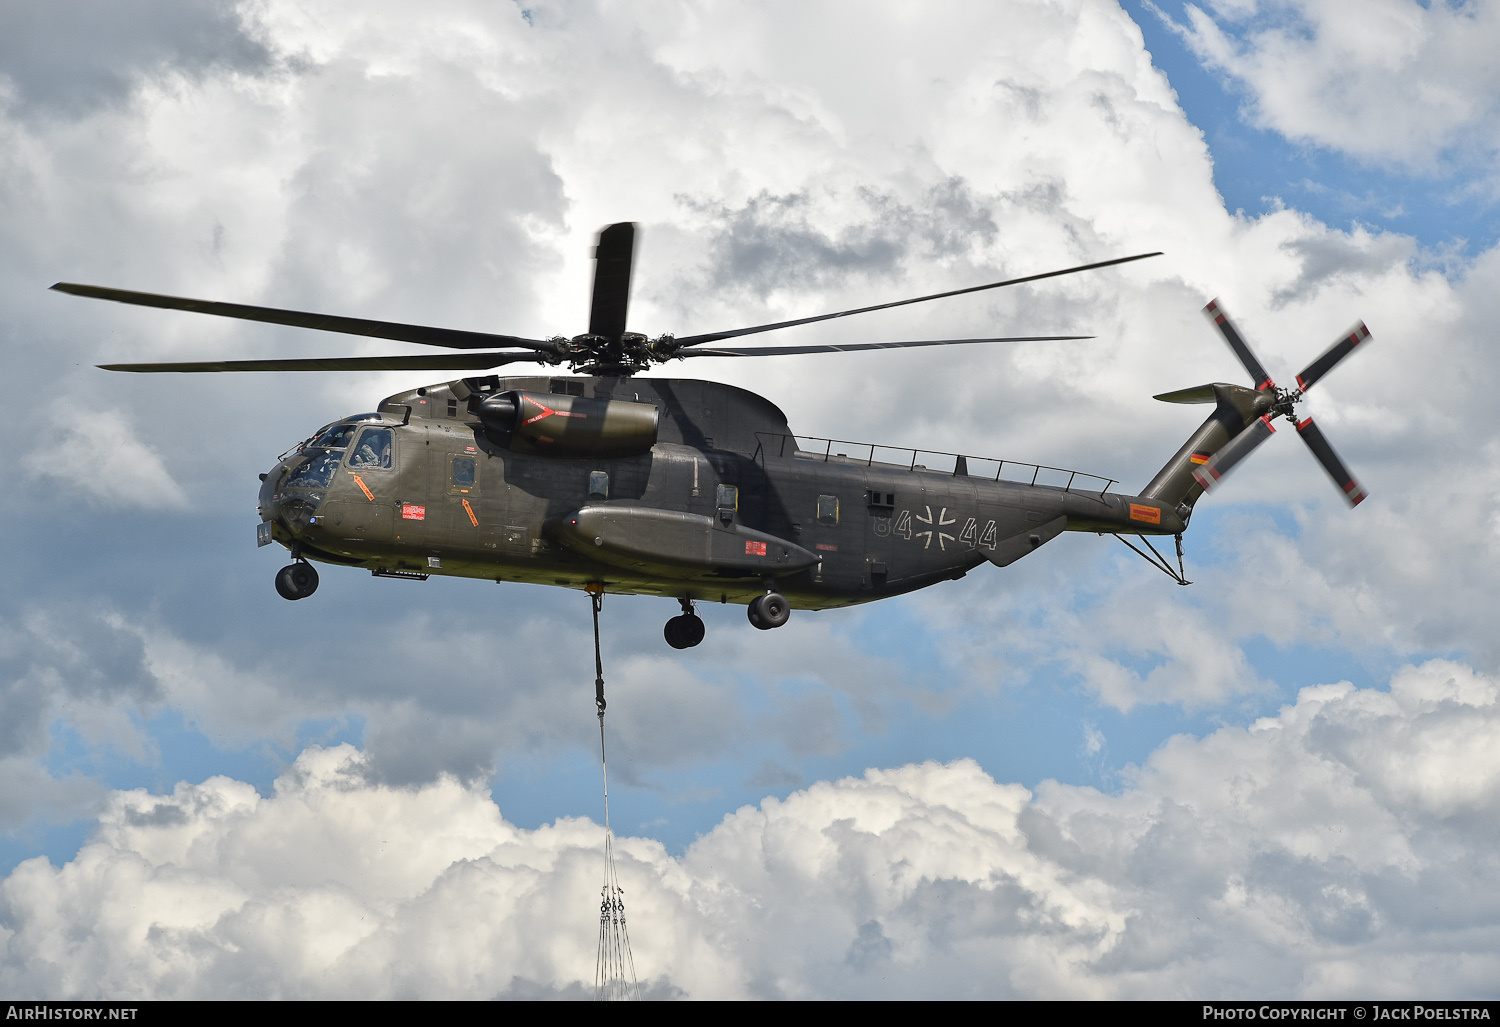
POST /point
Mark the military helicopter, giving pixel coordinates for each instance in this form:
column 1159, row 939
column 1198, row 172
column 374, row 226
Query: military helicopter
column 685, row 489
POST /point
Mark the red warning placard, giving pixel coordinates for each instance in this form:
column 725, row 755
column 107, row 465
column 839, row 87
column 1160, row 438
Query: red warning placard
column 755, row 548
column 412, row 512
column 1149, row 514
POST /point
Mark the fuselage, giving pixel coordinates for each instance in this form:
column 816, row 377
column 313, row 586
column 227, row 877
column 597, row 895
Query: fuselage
column 724, row 505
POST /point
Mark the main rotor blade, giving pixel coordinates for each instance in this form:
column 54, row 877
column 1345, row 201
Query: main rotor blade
column 612, row 261
column 780, row 351
column 422, row 334
column 418, row 362
column 1233, row 451
column 1353, row 491
column 695, row 340
column 1232, row 336
column 1331, row 356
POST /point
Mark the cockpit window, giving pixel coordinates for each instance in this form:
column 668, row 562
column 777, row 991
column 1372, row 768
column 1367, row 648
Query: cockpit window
column 337, row 437
column 373, row 450
column 314, row 473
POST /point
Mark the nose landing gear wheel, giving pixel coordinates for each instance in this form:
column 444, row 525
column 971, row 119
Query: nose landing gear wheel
column 769, row 611
column 296, row 581
column 684, row 632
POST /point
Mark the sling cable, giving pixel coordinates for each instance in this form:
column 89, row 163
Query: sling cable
column 614, row 968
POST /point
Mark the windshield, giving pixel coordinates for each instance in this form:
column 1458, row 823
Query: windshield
column 315, row 472
column 337, row 437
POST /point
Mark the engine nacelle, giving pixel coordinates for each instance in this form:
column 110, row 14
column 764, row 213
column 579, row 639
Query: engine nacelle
column 541, row 422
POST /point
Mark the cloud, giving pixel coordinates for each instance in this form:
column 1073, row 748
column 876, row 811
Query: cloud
column 1391, row 81
column 449, row 165
column 68, row 58
column 102, row 459
column 1340, row 847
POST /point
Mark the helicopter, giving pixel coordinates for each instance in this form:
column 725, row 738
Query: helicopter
column 691, row 490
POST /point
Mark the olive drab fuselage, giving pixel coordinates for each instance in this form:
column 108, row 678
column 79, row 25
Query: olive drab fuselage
column 691, row 489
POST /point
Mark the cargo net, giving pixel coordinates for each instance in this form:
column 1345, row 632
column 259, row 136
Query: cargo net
column 614, row 968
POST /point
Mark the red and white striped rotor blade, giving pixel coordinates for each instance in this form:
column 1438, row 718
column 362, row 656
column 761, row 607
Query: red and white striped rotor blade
column 1332, row 355
column 1233, row 451
column 1353, row 491
column 1237, row 343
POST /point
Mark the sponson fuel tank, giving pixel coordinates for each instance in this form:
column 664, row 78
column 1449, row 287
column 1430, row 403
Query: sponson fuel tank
column 676, row 543
column 537, row 422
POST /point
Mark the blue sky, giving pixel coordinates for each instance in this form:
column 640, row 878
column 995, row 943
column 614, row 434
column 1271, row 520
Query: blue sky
column 443, row 169
column 1256, row 168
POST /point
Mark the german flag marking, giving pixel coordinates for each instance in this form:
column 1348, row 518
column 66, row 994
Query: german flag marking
column 1199, row 458
column 363, row 487
column 1148, row 514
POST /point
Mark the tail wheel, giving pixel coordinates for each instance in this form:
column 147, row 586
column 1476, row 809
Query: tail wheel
column 296, row 581
column 769, row 611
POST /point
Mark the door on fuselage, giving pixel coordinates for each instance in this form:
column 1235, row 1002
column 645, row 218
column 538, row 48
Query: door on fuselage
column 365, row 511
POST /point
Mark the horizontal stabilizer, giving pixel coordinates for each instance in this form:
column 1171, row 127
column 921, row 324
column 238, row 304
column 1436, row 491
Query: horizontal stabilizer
column 1197, row 394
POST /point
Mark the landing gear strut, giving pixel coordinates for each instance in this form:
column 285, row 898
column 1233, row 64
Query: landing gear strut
column 296, row 580
column 685, row 631
column 769, row 611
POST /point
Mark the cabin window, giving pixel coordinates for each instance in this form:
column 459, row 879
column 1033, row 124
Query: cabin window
column 598, row 484
column 463, row 473
column 828, row 510
column 373, row 450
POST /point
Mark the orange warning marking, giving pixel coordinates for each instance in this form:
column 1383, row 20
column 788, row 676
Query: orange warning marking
column 363, row 487
column 1149, row 514
column 546, row 411
column 470, row 511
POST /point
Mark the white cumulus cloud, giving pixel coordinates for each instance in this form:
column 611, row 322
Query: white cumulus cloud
column 1344, row 846
column 1395, row 81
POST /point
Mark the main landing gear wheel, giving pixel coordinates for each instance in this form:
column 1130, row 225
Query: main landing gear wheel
column 684, row 632
column 769, row 611
column 296, row 581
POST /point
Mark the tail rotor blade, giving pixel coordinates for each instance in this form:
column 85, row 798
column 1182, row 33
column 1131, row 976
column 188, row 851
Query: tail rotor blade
column 1233, row 451
column 1232, row 336
column 1353, row 491
column 1330, row 358
column 612, row 260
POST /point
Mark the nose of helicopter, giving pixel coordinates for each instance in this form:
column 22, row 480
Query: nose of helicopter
column 293, row 509
column 267, row 502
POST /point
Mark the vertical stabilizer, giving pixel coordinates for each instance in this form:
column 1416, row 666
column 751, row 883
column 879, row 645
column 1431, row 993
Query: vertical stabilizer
column 1235, row 407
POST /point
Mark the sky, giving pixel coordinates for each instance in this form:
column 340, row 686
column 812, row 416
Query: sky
column 1065, row 778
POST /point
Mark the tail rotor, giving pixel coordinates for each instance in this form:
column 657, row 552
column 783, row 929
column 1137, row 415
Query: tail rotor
column 1281, row 402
